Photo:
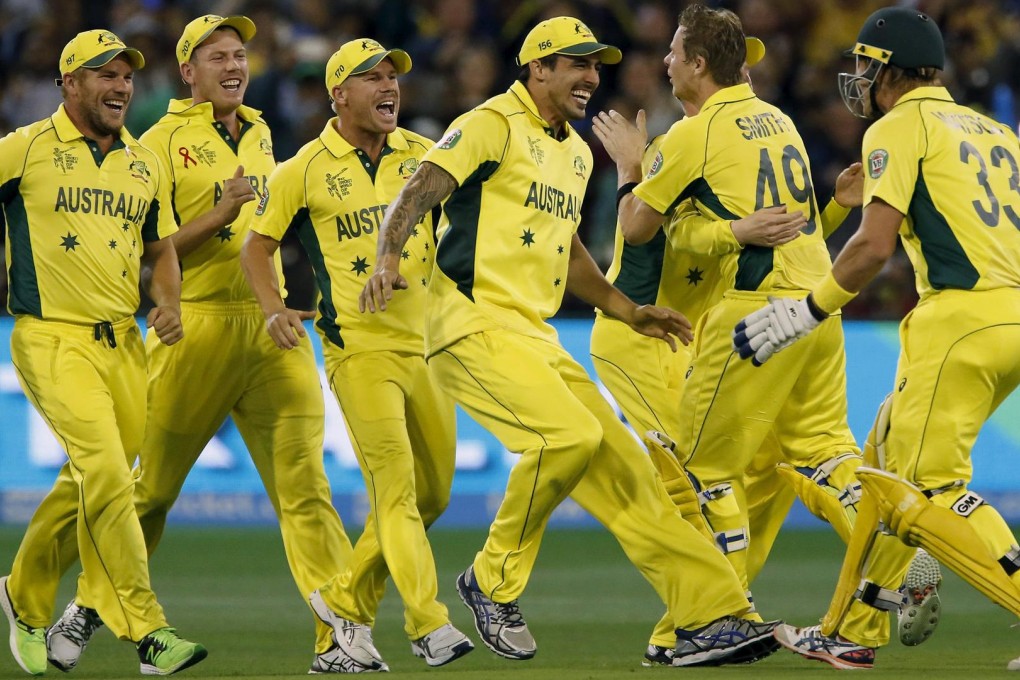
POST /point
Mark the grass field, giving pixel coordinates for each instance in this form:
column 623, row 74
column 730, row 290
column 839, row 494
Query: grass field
column 589, row 609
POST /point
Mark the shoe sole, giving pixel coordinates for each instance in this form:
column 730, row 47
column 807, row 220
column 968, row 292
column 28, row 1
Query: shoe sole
column 750, row 650
column 199, row 655
column 464, row 593
column 12, row 620
column 458, row 650
column 917, row 620
column 824, row 657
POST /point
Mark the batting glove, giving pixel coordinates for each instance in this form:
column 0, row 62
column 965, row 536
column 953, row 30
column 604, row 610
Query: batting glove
column 777, row 326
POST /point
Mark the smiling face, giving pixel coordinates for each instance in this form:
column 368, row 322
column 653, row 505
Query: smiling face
column 97, row 98
column 568, row 86
column 369, row 102
column 218, row 71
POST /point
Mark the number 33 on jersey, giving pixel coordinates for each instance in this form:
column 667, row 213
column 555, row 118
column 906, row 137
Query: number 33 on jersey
column 955, row 175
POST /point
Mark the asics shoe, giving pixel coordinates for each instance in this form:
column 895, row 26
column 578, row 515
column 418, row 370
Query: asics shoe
column 727, row 640
column 163, row 653
column 835, row 651
column 918, row 615
column 500, row 624
column 657, row 656
column 353, row 639
column 335, row 660
column 28, row 645
column 441, row 646
column 67, row 638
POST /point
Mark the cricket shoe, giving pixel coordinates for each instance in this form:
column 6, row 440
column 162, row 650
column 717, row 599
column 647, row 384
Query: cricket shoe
column 728, row 640
column 441, row 646
column 919, row 614
column 335, row 660
column 1014, row 665
column 163, row 653
column 835, row 651
column 353, row 639
column 28, row 645
column 67, row 638
column 499, row 624
column 657, row 656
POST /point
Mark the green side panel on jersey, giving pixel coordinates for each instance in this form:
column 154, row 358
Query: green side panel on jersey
column 455, row 254
column 754, row 262
column 23, row 293
column 641, row 269
column 948, row 264
column 150, row 228
column 327, row 322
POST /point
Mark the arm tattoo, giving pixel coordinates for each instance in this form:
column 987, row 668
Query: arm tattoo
column 429, row 185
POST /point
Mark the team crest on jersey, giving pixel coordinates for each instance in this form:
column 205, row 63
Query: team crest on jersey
column 140, row 171
column 407, row 168
column 450, row 140
column 338, row 186
column 580, row 169
column 877, row 160
column 64, row 159
column 656, row 165
column 266, row 146
column 263, row 201
column 536, row 150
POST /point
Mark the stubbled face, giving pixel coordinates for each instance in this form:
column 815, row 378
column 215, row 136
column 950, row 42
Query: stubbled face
column 218, row 70
column 571, row 84
column 99, row 97
column 370, row 101
column 680, row 72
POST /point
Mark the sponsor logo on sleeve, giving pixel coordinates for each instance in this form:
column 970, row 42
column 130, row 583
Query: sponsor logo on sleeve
column 877, row 160
column 450, row 140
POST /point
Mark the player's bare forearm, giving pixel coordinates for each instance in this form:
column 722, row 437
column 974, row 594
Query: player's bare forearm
column 428, row 186
column 866, row 252
column 638, row 221
column 161, row 276
column 586, row 281
column 257, row 264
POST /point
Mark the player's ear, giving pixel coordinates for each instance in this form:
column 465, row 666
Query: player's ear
column 338, row 95
column 187, row 73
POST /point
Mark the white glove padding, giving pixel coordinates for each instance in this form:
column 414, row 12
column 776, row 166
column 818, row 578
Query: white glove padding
column 777, row 326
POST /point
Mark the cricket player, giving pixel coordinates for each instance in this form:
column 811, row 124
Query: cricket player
column 513, row 173
column 944, row 178
column 757, row 159
column 87, row 210
column 216, row 154
column 334, row 193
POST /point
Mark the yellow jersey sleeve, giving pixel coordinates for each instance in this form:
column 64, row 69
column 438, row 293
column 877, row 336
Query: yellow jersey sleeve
column 476, row 138
column 282, row 200
column 160, row 222
column 669, row 173
column 696, row 233
column 13, row 148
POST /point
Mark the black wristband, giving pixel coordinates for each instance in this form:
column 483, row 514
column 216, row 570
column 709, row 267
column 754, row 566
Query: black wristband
column 623, row 191
column 815, row 309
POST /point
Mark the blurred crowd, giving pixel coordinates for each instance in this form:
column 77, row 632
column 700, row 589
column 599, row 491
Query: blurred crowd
column 463, row 52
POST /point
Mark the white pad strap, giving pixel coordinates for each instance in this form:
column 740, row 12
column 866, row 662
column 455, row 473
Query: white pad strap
column 880, row 598
column 821, row 473
column 1010, row 562
column 732, row 540
column 714, row 492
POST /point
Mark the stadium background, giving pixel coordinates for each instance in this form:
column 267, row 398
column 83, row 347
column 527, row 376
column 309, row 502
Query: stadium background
column 463, row 52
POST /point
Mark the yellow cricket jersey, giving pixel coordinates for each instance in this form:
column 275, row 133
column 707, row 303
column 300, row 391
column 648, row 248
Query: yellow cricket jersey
column 737, row 155
column 335, row 197
column 199, row 155
column 679, row 267
column 506, row 230
column 77, row 220
column 955, row 175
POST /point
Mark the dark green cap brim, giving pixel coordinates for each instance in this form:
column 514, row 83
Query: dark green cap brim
column 133, row 55
column 609, row 54
column 401, row 61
